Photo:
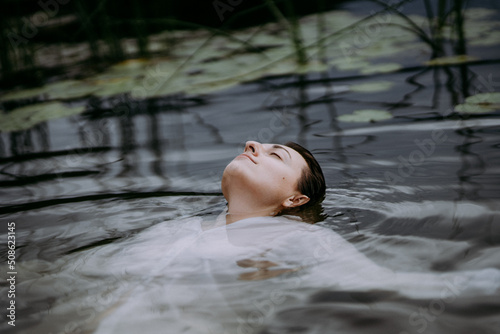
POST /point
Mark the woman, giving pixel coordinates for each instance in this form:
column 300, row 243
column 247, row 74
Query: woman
column 252, row 269
column 271, row 179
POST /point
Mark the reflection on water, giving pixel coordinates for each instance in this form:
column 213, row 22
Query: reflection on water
column 100, row 200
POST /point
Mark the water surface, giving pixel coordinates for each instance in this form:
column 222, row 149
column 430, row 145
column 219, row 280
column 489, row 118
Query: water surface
column 98, row 199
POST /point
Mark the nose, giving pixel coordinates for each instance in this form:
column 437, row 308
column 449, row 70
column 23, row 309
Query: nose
column 253, row 147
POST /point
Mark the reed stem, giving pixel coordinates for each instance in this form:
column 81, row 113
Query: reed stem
column 110, row 38
column 87, row 27
column 140, row 30
column 461, row 47
column 293, row 29
column 5, row 46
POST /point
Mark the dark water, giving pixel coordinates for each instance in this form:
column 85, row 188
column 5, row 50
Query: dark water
column 419, row 192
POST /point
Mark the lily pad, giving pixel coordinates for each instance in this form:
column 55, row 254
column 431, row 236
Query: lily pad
column 26, row 117
column 221, row 61
column 480, row 103
column 381, row 68
column 491, row 38
column 69, row 89
column 200, row 62
column 365, row 116
column 478, row 13
column 452, row 60
column 61, row 90
column 130, row 65
column 349, row 63
column 482, row 98
column 114, row 86
column 23, row 94
column 372, row 87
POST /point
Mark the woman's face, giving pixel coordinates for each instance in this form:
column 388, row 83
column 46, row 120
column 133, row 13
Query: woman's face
column 265, row 174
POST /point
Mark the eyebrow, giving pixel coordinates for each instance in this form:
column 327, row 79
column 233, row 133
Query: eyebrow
column 281, row 147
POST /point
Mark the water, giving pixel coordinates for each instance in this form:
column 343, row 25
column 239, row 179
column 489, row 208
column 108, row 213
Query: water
column 91, row 235
column 103, row 202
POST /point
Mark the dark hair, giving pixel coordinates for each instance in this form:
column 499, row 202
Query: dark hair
column 312, row 182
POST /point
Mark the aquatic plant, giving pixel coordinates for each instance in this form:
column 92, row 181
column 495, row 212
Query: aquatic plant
column 446, row 19
column 101, row 32
column 292, row 26
column 207, row 59
column 372, row 87
column 26, row 117
column 365, row 116
column 480, row 103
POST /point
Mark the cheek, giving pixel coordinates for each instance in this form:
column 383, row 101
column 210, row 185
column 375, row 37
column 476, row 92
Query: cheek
column 288, row 178
column 268, row 184
column 284, row 183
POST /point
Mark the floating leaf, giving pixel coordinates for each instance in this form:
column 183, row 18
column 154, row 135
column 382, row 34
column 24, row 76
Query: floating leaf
column 480, row 103
column 114, row 86
column 200, row 62
column 64, row 90
column 381, row 68
column 452, row 60
column 482, row 98
column 478, row 13
column 26, row 117
column 474, row 108
column 129, row 66
column 372, row 87
column 69, row 89
column 365, row 116
column 24, row 94
column 328, row 90
column 349, row 63
column 220, row 61
column 491, row 38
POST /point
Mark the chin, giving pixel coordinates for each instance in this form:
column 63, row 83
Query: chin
column 235, row 168
column 230, row 177
column 224, row 182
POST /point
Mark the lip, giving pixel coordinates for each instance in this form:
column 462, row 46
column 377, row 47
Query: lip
column 243, row 155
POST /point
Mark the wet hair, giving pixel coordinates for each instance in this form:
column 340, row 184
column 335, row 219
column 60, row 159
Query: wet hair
column 312, row 184
column 312, row 181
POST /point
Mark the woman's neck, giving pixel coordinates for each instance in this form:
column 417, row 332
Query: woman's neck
column 237, row 211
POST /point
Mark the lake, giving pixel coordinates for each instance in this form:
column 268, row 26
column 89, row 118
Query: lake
column 129, row 165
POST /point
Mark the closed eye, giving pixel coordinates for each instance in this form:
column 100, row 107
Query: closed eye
column 276, row 154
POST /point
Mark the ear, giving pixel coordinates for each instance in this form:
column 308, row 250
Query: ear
column 295, row 201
